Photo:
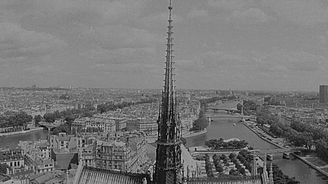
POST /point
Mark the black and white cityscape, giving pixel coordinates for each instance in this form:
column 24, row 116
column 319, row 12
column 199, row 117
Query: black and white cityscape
column 163, row 92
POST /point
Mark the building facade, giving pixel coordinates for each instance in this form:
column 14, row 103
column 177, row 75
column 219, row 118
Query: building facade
column 122, row 151
column 62, row 141
column 14, row 158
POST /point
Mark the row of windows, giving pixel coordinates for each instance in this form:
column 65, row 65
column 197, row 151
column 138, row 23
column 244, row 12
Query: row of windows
column 50, row 165
column 15, row 164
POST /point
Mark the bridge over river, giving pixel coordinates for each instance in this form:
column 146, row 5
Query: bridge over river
column 50, row 126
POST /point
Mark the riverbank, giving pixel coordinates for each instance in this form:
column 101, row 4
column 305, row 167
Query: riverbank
column 311, row 165
column 265, row 138
column 152, row 139
column 21, row 132
column 262, row 135
column 192, row 134
column 223, row 127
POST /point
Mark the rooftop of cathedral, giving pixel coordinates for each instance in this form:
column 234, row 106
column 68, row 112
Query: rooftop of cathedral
column 226, row 179
column 89, row 175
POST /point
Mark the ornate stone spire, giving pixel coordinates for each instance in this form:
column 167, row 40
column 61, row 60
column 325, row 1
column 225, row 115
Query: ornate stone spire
column 271, row 174
column 168, row 153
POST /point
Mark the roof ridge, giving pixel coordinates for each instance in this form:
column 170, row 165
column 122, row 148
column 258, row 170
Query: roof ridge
column 115, row 172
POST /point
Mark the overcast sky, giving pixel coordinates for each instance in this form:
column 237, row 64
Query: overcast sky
column 219, row 44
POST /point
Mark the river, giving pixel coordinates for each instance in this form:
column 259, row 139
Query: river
column 13, row 140
column 223, row 127
column 220, row 127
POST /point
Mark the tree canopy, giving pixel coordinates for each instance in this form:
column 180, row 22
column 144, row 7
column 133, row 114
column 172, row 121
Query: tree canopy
column 217, row 144
column 14, row 119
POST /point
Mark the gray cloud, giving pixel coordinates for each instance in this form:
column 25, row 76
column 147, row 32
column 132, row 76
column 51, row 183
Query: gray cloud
column 251, row 15
column 290, row 62
column 121, row 43
column 16, row 42
column 230, row 4
column 301, row 12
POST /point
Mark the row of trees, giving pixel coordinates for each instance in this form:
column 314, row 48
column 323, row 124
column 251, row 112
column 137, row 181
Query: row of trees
column 217, row 144
column 234, row 158
column 110, row 106
column 265, row 117
column 280, row 178
column 246, row 159
column 208, row 166
column 240, row 170
column 70, row 114
column 217, row 164
column 299, row 139
column 62, row 128
column 15, row 119
column 89, row 110
column 201, row 123
column 298, row 133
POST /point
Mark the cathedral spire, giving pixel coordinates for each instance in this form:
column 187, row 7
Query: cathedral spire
column 168, row 152
column 168, row 97
column 271, row 175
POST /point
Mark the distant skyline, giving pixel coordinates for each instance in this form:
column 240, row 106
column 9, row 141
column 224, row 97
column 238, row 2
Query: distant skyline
column 219, row 44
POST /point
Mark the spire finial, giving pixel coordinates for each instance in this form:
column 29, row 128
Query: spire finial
column 170, row 11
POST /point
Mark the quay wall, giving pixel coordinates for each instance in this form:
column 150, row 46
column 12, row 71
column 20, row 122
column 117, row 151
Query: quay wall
column 296, row 156
column 21, row 132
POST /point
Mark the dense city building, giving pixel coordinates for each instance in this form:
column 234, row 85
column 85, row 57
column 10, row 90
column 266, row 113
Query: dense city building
column 121, row 151
column 38, row 155
column 65, row 142
column 14, row 158
column 323, row 94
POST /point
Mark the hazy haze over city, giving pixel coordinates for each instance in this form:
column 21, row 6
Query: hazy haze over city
column 238, row 44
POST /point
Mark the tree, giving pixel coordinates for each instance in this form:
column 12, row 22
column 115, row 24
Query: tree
column 233, row 172
column 232, row 156
column 49, row 117
column 217, row 144
column 62, row 128
column 208, row 166
column 219, row 169
column 3, row 168
column 239, row 107
column 242, row 171
column 201, row 123
column 69, row 118
column 37, row 119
